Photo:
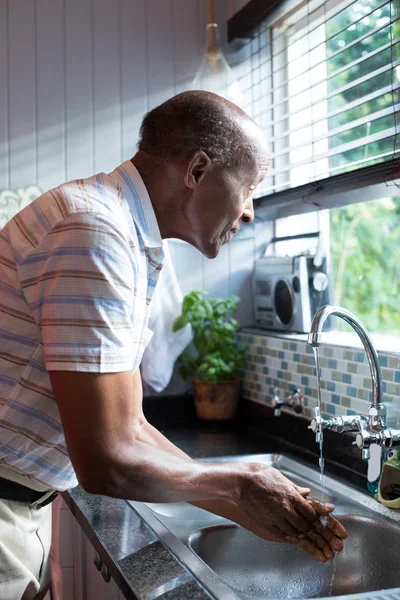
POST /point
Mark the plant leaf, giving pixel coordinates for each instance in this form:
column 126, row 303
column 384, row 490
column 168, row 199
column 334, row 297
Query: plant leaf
column 179, row 323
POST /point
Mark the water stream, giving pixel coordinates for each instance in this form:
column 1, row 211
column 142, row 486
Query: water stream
column 321, row 455
column 320, row 431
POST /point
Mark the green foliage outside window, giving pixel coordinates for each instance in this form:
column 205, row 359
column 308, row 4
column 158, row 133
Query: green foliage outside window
column 365, row 237
column 342, row 30
column 365, row 253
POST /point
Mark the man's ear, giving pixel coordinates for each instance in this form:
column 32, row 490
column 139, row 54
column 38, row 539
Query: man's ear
column 196, row 169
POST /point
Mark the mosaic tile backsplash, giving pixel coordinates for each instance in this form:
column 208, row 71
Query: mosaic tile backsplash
column 274, row 362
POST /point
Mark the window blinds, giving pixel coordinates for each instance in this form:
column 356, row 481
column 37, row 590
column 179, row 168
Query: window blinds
column 325, row 81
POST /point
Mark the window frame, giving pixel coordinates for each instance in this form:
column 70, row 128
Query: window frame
column 328, row 192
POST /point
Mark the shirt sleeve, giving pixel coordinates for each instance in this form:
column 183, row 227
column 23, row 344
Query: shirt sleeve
column 79, row 283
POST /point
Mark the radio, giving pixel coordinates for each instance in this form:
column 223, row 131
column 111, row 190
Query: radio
column 289, row 290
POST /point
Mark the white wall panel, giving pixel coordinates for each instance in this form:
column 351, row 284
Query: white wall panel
column 216, row 274
column 106, row 85
column 188, row 41
column 241, row 254
column 134, row 80
column 22, row 92
column 4, row 154
column 160, row 58
column 50, row 69
column 79, row 75
column 189, row 265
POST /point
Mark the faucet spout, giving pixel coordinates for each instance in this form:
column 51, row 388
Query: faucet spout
column 372, row 431
column 377, row 408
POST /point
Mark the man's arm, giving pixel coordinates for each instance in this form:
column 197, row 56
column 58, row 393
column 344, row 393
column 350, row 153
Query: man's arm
column 104, row 425
column 322, row 542
column 115, row 452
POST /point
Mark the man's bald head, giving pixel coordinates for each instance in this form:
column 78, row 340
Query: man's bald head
column 199, row 120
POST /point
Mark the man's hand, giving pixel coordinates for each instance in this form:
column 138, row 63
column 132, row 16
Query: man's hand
column 325, row 537
column 276, row 503
column 322, row 541
column 279, row 511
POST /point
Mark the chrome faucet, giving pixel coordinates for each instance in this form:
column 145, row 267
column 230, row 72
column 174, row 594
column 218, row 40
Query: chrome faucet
column 372, row 429
column 295, row 401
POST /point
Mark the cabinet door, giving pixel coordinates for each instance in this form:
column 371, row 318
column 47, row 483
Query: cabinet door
column 88, row 581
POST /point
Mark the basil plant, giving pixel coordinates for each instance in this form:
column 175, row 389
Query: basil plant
column 219, row 357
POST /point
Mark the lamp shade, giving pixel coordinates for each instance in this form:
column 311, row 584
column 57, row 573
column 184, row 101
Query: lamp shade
column 214, row 73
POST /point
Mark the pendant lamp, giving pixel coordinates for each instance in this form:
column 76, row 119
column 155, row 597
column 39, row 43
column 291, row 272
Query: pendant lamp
column 214, row 73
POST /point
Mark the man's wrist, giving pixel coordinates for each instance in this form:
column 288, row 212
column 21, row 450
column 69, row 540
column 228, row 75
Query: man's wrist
column 231, row 479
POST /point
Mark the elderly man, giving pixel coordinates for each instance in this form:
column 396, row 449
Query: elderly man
column 78, row 268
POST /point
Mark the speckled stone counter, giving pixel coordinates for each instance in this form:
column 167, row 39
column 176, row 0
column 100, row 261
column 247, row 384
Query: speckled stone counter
column 140, row 565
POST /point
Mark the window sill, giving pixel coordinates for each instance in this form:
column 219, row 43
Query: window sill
column 389, row 344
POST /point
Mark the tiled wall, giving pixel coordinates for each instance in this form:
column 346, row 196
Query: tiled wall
column 345, row 375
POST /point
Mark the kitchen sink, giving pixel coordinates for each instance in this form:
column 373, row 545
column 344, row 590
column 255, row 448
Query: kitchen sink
column 257, row 567
column 232, row 563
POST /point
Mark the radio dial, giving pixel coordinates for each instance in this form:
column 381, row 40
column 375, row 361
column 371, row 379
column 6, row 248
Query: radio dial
column 320, row 281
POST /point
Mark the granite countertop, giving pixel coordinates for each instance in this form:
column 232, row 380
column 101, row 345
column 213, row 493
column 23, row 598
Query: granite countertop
column 138, row 562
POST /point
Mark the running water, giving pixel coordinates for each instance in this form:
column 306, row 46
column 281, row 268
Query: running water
column 334, row 567
column 321, row 457
column 321, row 433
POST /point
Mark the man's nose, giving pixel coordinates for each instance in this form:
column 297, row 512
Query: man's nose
column 248, row 213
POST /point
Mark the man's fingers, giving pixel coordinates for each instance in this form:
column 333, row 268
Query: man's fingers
column 286, row 527
column 332, row 539
column 309, row 546
column 321, row 543
column 332, row 531
column 291, row 540
column 321, row 508
column 303, row 491
column 333, row 525
column 306, row 508
column 337, row 527
column 299, row 523
column 277, row 534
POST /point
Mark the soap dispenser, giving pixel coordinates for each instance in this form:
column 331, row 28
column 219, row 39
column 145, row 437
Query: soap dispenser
column 389, row 482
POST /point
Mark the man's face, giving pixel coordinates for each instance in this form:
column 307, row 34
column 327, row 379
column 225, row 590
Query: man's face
column 225, row 201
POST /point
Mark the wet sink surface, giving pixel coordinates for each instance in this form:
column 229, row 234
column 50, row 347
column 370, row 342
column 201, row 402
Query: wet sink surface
column 261, row 568
column 230, row 562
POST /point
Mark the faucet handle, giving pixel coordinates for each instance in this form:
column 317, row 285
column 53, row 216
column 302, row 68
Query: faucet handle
column 365, row 453
column 277, row 403
column 365, row 438
column 296, row 400
column 316, row 424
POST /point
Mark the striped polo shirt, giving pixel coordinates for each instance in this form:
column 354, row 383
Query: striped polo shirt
column 78, row 267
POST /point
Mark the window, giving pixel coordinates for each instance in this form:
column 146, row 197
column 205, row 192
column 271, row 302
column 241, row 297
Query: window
column 324, row 85
column 362, row 242
column 341, row 103
column 323, row 81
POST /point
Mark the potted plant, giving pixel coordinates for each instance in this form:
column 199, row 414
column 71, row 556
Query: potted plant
column 218, row 366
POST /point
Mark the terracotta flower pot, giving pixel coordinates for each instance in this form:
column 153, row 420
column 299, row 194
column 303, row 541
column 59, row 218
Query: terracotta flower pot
column 216, row 401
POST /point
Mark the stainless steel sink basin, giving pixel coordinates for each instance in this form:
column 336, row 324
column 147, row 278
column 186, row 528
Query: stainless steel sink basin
column 231, row 563
column 261, row 568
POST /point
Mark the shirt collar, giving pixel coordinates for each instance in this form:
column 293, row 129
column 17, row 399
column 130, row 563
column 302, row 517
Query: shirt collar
column 140, row 206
